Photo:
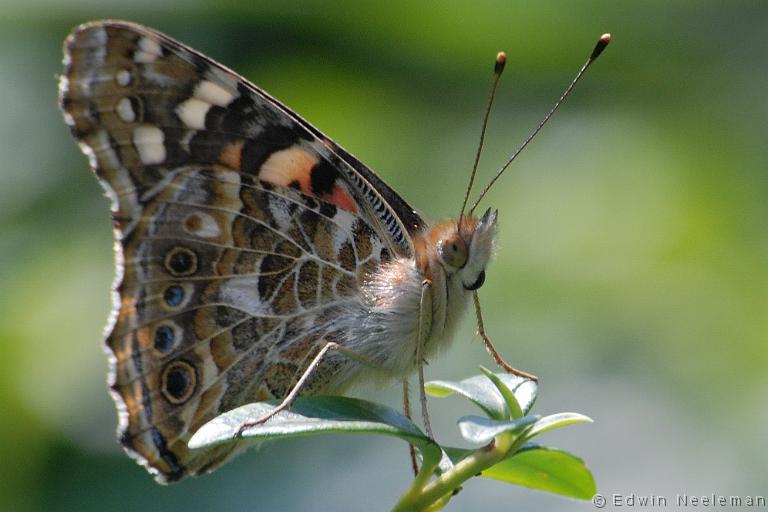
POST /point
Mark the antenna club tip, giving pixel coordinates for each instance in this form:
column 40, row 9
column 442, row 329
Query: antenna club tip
column 501, row 60
column 604, row 40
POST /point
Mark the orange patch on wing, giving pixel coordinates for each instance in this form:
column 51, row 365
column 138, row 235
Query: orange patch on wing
column 133, row 399
column 287, row 166
column 130, row 403
column 341, row 198
column 127, row 309
column 143, row 337
column 294, row 165
column 231, row 155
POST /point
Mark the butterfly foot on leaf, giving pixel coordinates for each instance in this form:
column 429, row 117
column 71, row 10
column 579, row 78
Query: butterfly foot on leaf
column 254, row 423
column 520, row 373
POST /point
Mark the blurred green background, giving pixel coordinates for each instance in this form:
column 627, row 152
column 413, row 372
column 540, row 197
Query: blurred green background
column 632, row 265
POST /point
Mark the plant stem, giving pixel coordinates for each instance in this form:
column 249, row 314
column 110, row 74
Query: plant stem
column 423, row 495
column 422, row 479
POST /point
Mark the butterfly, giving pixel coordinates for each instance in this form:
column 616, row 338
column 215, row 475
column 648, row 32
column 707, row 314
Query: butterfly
column 247, row 243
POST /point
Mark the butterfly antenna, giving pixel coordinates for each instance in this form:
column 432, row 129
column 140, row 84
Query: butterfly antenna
column 599, row 47
column 501, row 60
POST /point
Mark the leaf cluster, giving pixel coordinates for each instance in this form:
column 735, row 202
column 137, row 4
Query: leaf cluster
column 504, row 434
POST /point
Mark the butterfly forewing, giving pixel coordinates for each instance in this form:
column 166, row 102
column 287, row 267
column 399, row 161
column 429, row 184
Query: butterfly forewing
column 242, row 231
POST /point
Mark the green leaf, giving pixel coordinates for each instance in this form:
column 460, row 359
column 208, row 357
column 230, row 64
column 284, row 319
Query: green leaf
column 541, row 468
column 554, row 421
column 481, row 391
column 477, row 429
column 513, row 407
column 316, row 415
column 546, row 469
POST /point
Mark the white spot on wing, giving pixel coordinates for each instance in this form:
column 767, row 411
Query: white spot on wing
column 150, row 143
column 345, row 221
column 243, row 293
column 213, row 93
column 125, row 110
column 280, row 213
column 123, row 77
column 192, row 113
column 225, row 176
column 149, row 50
column 206, row 226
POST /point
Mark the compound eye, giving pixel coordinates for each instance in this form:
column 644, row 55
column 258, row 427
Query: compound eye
column 453, row 251
column 478, row 282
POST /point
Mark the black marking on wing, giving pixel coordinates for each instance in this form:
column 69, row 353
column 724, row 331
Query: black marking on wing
column 323, row 177
column 176, row 471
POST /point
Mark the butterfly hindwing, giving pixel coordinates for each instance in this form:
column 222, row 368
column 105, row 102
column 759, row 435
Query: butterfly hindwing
column 241, row 232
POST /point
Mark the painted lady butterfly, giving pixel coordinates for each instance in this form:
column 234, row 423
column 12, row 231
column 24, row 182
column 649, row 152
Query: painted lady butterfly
column 247, row 241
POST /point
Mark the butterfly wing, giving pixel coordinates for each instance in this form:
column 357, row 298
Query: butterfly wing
column 241, row 230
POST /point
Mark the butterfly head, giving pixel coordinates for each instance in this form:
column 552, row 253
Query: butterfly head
column 463, row 248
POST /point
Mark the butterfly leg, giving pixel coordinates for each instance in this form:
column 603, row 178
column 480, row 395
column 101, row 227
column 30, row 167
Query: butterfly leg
column 407, row 412
column 492, row 350
column 425, row 321
column 424, row 409
column 290, row 397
